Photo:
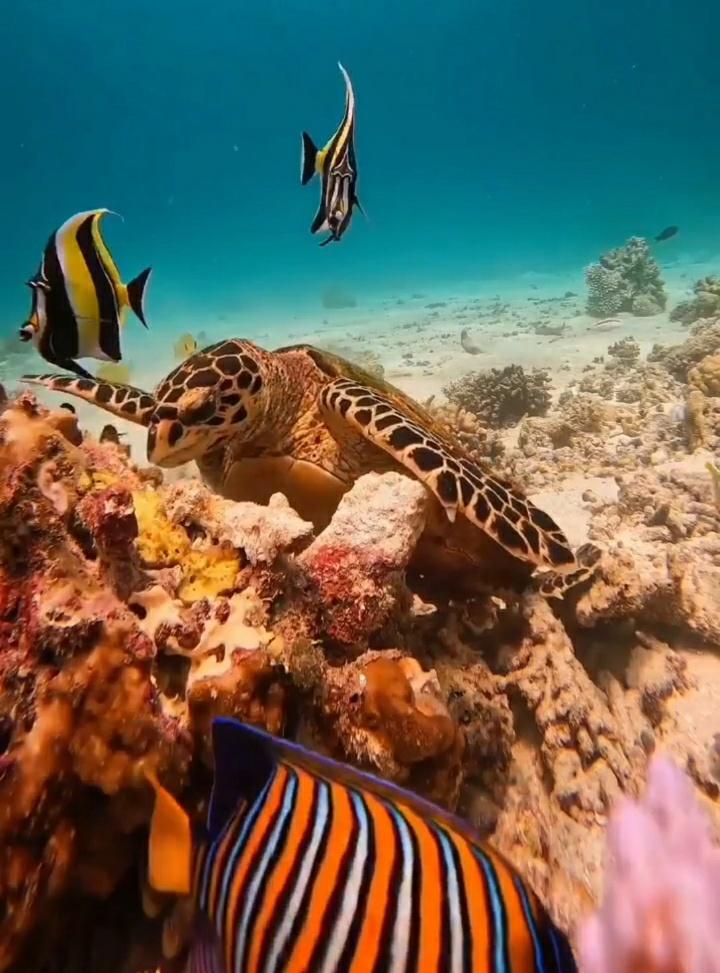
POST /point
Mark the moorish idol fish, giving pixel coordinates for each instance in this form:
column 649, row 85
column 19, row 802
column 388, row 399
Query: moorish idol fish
column 337, row 168
column 306, row 864
column 78, row 299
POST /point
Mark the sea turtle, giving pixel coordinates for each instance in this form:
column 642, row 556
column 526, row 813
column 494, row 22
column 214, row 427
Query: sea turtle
column 307, row 423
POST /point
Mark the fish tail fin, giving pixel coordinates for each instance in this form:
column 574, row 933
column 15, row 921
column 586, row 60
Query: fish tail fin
column 136, row 294
column 308, row 165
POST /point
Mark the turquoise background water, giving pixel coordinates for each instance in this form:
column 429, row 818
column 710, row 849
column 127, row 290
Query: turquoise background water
column 492, row 138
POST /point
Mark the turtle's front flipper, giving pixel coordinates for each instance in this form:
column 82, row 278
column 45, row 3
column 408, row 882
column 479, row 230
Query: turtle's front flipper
column 554, row 584
column 490, row 503
column 123, row 401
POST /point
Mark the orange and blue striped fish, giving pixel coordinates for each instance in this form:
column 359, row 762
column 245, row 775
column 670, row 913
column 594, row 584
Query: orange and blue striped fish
column 311, row 866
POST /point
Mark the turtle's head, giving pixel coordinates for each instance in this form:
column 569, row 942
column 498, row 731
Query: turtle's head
column 213, row 396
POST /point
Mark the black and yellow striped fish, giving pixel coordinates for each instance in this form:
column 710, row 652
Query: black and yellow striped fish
column 79, row 301
column 337, row 168
column 310, row 866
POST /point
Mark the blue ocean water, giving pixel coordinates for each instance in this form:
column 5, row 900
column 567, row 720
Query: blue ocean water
column 492, row 139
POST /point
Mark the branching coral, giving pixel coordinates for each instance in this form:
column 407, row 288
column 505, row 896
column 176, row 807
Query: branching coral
column 502, row 396
column 705, row 304
column 625, row 279
column 627, row 350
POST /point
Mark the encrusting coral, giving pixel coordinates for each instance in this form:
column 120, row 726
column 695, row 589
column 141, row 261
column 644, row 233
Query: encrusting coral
column 502, row 396
column 626, row 279
column 133, row 612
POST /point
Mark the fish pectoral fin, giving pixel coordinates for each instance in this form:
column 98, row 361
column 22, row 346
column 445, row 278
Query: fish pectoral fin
column 136, row 291
column 357, row 203
column 170, row 845
column 308, row 159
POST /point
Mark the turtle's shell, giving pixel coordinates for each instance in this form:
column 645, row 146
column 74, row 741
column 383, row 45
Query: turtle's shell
column 336, row 367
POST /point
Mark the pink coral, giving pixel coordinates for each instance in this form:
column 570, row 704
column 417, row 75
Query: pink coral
column 661, row 908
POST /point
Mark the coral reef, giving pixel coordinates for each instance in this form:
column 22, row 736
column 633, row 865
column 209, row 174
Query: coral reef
column 705, row 304
column 133, row 611
column 502, row 396
column 625, row 279
column 704, row 340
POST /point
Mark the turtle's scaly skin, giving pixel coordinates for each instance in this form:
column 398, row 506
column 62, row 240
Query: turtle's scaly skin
column 307, row 423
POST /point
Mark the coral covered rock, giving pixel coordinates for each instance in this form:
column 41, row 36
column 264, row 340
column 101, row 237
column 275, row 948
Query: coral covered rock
column 705, row 304
column 704, row 340
column 705, row 376
column 81, row 713
column 356, row 566
column 502, row 396
column 625, row 279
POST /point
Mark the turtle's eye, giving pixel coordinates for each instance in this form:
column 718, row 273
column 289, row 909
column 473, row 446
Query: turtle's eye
column 164, row 412
column 196, row 405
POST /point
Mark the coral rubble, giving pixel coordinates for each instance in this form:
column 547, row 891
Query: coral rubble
column 625, row 279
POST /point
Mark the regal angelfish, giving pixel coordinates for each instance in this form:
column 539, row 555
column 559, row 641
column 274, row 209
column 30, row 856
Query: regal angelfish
column 337, row 167
column 79, row 301
column 310, row 866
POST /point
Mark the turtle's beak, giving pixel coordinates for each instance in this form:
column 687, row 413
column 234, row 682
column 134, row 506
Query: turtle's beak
column 167, row 443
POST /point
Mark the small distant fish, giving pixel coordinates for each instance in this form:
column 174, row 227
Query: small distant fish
column 78, row 299
column 185, row 346
column 468, row 344
column 667, row 234
column 307, row 864
column 337, row 167
column 606, row 324
column 109, row 434
column 116, row 373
